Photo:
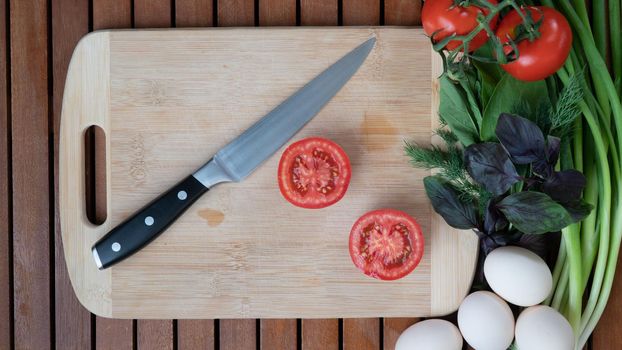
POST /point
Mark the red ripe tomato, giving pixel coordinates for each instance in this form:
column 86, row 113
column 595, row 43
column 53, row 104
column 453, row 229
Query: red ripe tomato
column 386, row 244
column 544, row 55
column 444, row 18
column 314, row 173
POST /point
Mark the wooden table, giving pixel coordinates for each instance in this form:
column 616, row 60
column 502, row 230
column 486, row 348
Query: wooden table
column 38, row 309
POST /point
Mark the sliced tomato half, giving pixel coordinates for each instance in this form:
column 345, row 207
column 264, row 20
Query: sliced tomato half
column 314, row 173
column 386, row 244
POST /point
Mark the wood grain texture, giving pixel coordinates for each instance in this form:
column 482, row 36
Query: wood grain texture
column 236, row 13
column 320, row 334
column 152, row 13
column 361, row 12
column 31, row 181
column 278, row 334
column 277, row 12
column 6, row 323
column 402, row 12
column 155, row 334
column 361, row 334
column 113, row 333
column 238, row 335
column 195, row 334
column 319, row 12
column 194, row 13
column 242, row 275
column 607, row 334
column 393, row 327
column 73, row 322
column 109, row 14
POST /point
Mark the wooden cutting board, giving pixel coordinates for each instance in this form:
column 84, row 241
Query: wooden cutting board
column 167, row 100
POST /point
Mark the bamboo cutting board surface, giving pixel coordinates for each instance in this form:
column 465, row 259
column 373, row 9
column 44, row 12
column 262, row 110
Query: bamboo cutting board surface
column 167, row 100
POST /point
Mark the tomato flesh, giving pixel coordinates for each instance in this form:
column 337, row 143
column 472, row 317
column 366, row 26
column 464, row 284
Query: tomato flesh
column 442, row 18
column 386, row 244
column 544, row 55
column 314, row 173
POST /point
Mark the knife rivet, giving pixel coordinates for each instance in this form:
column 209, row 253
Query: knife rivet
column 115, row 247
column 182, row 195
column 149, row 221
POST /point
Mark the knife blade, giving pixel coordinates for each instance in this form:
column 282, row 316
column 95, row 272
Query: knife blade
column 232, row 163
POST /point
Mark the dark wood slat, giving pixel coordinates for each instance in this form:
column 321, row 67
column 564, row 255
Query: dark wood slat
column 236, row 13
column 114, row 334
column 31, row 181
column 319, row 12
column 70, row 21
column 393, row 327
column 5, row 234
column 277, row 12
column 238, row 335
column 112, row 14
column 194, row 13
column 402, row 12
column 195, row 334
column 111, row 333
column 152, row 13
column 361, row 334
column 278, row 334
column 320, row 334
column 155, row 334
column 361, row 12
column 607, row 334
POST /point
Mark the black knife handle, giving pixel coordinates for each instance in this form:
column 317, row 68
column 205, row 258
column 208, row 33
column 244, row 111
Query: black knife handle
column 146, row 224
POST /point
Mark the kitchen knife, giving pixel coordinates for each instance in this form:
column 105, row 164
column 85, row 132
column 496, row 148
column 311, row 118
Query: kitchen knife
column 232, row 163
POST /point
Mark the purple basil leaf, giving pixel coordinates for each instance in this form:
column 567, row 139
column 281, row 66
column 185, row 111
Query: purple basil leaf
column 534, row 212
column 564, row 186
column 522, row 138
column 447, row 203
column 489, row 165
column 494, row 221
column 539, row 244
column 579, row 210
column 552, row 149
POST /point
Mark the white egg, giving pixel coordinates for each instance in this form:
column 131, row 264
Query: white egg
column 543, row 328
column 430, row 335
column 518, row 275
column 486, row 321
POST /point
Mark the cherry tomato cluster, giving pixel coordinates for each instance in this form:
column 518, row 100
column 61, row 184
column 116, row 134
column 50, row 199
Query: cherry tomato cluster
column 536, row 58
column 314, row 173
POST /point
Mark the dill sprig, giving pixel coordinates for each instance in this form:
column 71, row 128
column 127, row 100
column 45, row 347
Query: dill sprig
column 567, row 107
column 449, row 161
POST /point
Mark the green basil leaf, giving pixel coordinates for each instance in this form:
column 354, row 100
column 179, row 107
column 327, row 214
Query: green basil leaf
column 446, row 202
column 489, row 73
column 454, row 110
column 489, row 165
column 522, row 138
column 505, row 99
column 534, row 212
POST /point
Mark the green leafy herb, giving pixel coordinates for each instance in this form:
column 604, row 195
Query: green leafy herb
column 503, row 100
column 455, row 112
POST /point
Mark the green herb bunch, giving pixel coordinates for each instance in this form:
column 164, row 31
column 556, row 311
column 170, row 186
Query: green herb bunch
column 503, row 189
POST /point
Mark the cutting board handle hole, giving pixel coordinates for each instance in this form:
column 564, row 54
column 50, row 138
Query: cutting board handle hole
column 95, row 174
